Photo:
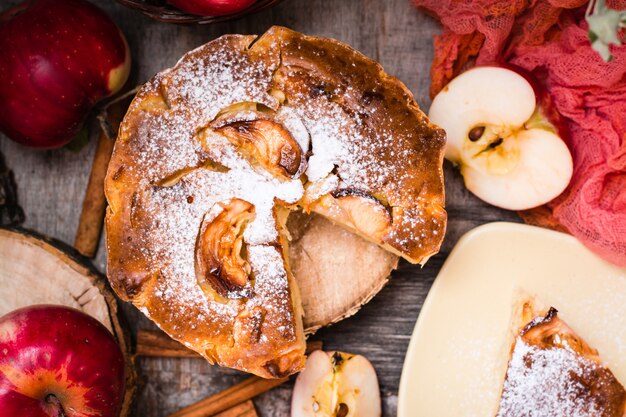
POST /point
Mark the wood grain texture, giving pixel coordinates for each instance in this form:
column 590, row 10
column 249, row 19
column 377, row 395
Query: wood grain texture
column 52, row 185
column 317, row 252
column 94, row 202
column 230, row 397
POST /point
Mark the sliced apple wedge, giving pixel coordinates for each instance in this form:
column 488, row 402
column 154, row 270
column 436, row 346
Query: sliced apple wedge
column 269, row 143
column 220, row 247
column 509, row 154
column 314, row 393
column 336, row 384
column 358, row 394
column 357, row 211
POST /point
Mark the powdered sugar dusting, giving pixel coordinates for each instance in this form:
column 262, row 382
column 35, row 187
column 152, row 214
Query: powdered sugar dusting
column 546, row 382
column 288, row 117
column 370, row 158
column 251, row 184
column 272, row 287
column 167, row 145
column 205, row 83
column 364, row 158
column 174, row 226
column 177, row 213
column 177, row 143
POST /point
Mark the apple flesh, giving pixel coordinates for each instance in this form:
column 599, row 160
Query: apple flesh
column 57, row 361
column 336, row 384
column 212, row 7
column 59, row 58
column 509, row 153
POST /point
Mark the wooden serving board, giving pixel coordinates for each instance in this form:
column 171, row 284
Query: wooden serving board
column 35, row 270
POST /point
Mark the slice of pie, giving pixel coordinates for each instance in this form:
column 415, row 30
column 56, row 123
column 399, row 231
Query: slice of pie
column 554, row 373
column 214, row 153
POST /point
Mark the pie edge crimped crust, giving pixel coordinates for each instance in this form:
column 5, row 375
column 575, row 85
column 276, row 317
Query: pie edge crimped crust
column 135, row 280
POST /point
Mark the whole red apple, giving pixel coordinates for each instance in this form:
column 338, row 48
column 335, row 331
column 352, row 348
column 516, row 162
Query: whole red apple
column 212, row 7
column 57, row 361
column 58, row 58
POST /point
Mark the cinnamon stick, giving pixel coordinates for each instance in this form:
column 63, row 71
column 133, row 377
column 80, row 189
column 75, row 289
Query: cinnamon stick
column 94, row 203
column 230, row 397
column 158, row 344
column 245, row 409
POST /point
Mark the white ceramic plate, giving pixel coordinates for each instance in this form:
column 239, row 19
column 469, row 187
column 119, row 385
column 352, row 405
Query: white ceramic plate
column 459, row 350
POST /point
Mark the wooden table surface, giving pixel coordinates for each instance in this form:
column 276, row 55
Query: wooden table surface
column 52, row 183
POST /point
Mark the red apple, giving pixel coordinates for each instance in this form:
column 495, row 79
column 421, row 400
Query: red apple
column 57, row 361
column 212, row 7
column 59, row 58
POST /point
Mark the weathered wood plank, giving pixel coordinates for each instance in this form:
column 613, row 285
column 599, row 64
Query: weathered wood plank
column 52, row 185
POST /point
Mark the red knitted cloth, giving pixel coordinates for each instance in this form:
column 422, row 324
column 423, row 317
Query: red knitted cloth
column 549, row 39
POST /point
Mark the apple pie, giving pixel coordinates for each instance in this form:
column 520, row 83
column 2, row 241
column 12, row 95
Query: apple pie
column 554, row 373
column 215, row 152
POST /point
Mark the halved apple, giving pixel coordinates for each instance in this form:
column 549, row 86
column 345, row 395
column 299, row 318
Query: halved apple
column 336, row 384
column 509, row 154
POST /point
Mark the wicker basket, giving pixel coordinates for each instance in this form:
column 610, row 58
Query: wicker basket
column 162, row 11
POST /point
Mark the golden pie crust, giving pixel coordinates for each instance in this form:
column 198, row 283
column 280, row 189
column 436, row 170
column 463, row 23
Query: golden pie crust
column 212, row 155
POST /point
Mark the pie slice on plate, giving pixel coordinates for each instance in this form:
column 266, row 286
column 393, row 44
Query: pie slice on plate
column 553, row 372
column 461, row 346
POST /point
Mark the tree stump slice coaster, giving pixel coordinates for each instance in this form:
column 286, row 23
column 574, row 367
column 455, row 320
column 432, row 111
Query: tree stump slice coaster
column 337, row 271
column 35, row 270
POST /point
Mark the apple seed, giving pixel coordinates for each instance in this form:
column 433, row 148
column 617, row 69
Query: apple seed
column 476, row 133
column 342, row 410
column 496, row 143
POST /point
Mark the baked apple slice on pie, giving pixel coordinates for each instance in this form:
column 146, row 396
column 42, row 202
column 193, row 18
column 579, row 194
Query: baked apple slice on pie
column 214, row 153
column 554, row 373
